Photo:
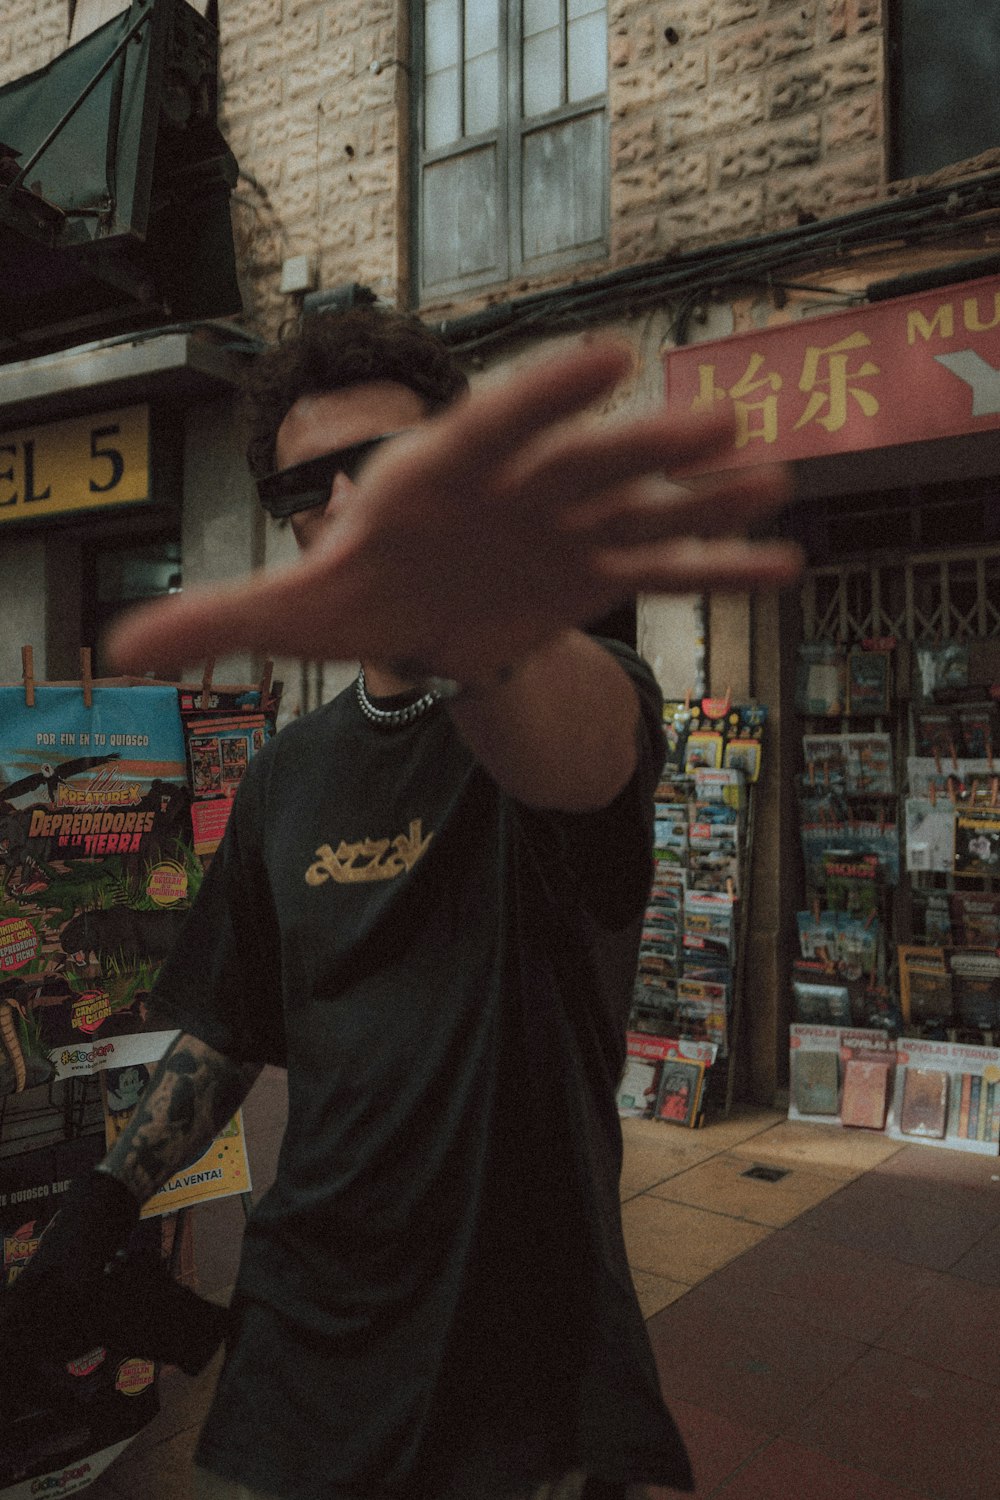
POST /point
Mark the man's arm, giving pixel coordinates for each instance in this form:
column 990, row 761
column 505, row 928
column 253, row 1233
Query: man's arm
column 561, row 731
column 193, row 1092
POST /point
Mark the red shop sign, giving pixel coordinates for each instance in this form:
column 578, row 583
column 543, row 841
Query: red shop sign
column 874, row 377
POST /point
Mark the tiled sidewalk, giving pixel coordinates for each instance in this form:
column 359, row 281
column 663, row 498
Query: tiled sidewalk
column 832, row 1335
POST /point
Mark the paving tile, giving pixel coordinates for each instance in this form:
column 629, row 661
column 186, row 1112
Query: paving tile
column 716, row 1446
column 646, row 1163
column 656, row 1292
column 743, row 1123
column 920, row 1164
column 929, row 1225
column 925, row 1428
column 720, row 1185
column 953, row 1326
column 830, row 1287
column 783, row 1469
column 824, row 1148
column 982, row 1263
column 757, row 1366
column 681, row 1243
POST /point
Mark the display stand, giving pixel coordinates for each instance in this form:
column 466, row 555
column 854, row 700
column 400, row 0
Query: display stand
column 97, row 865
column 688, row 1001
column 902, row 855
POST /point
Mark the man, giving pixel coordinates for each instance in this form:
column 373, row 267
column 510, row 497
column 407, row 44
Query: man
column 427, row 908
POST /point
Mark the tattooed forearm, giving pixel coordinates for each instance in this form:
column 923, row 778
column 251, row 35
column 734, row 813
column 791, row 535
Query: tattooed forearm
column 191, row 1095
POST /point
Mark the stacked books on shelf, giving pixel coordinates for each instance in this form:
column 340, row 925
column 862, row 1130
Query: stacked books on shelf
column 911, row 1089
column 687, row 983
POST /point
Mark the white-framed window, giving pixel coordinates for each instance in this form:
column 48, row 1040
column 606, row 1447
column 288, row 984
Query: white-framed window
column 511, row 131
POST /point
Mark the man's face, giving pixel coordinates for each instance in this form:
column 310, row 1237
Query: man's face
column 336, row 419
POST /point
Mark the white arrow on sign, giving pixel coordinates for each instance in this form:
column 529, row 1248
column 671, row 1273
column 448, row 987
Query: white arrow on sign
column 982, row 377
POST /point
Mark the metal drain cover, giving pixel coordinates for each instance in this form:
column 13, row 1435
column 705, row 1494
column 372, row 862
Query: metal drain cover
column 766, row 1174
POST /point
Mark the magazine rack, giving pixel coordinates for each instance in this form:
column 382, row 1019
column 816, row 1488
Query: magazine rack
column 914, row 863
column 97, row 866
column 686, row 1020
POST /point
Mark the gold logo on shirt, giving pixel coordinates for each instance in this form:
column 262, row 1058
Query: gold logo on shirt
column 369, row 859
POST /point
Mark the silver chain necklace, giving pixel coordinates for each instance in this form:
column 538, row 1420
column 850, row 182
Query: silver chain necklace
column 393, row 718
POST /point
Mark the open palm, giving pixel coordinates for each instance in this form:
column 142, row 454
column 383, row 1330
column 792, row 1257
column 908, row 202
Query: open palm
column 487, row 530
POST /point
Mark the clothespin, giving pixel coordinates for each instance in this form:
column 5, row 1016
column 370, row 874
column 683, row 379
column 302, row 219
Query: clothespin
column 815, row 909
column 730, row 888
column 954, row 754
column 952, row 794
column 932, row 793
column 989, row 752
column 812, row 773
column 937, row 757
column 87, row 677
column 994, row 788
column 28, row 674
column 206, row 682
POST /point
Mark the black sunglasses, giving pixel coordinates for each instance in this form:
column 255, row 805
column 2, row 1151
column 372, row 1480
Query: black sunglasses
column 304, row 486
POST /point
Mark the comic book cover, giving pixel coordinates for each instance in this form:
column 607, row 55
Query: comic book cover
column 96, row 874
column 219, row 751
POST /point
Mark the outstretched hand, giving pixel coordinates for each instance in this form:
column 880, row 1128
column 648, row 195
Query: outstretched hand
column 478, row 536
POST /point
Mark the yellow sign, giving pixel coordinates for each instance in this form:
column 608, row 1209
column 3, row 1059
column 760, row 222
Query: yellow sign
column 81, row 463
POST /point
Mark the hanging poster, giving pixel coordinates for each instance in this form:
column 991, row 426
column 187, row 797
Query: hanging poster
column 96, row 873
column 219, row 1172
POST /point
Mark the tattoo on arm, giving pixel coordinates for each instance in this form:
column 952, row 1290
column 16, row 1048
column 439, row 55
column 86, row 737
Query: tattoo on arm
column 191, row 1095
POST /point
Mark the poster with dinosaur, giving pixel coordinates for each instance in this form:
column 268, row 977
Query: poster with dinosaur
column 96, row 873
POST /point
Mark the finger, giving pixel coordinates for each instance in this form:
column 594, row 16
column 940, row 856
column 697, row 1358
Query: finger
column 577, row 462
column 650, row 511
column 283, row 610
column 693, row 565
column 497, row 421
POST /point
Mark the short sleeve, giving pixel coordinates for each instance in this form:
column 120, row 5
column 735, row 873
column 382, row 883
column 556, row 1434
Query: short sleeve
column 222, row 980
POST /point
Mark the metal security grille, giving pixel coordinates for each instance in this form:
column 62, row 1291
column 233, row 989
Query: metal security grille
column 947, row 596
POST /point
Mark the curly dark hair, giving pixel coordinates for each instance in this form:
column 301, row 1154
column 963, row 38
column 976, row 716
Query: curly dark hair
column 337, row 349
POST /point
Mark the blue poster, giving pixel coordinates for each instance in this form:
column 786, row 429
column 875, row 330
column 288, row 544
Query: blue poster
column 96, row 873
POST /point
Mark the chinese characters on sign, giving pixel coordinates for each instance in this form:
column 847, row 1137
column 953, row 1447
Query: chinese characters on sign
column 876, row 376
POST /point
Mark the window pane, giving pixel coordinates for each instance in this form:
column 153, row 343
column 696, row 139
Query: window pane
column 459, row 229
column 562, row 203
column 440, row 35
column 587, row 69
column 575, row 8
column 945, row 100
column 481, row 94
column 539, row 15
column 481, row 27
column 442, row 117
column 542, row 82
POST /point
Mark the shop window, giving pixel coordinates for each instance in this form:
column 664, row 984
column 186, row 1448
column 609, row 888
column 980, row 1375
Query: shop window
column 511, row 134
column 116, row 577
column 944, row 60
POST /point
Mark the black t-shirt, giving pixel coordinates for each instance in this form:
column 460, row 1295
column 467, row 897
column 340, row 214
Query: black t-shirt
column 437, row 1276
